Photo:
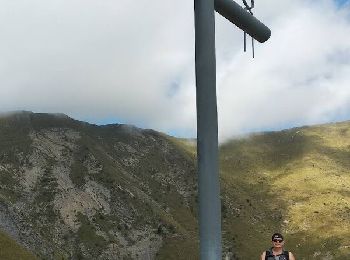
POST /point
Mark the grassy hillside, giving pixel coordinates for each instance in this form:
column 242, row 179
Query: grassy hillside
column 294, row 181
column 82, row 191
column 10, row 250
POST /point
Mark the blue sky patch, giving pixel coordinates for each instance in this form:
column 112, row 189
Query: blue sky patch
column 342, row 2
column 173, row 89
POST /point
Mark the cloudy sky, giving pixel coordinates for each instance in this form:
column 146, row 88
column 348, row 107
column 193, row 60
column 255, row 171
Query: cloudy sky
column 133, row 62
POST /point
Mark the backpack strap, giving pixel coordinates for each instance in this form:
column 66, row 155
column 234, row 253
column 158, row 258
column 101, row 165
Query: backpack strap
column 267, row 254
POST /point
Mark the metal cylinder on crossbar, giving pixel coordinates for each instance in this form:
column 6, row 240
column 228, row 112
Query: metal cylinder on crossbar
column 243, row 19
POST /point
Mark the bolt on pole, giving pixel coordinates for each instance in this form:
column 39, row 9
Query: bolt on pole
column 207, row 121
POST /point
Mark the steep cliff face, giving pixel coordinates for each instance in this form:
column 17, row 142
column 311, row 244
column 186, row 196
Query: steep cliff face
column 80, row 191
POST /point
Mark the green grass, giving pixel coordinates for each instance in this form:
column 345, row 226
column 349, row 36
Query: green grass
column 87, row 234
column 8, row 191
column 11, row 250
column 176, row 248
column 78, row 170
column 14, row 140
column 297, row 182
column 294, row 181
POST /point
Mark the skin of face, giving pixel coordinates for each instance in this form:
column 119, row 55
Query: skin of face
column 277, row 245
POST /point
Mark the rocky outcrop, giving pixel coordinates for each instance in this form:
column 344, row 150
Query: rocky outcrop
column 80, row 191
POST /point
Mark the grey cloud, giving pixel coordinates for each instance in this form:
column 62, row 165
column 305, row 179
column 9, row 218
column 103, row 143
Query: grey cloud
column 99, row 59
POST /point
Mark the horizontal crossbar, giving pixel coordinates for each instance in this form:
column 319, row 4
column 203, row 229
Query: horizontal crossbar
column 242, row 19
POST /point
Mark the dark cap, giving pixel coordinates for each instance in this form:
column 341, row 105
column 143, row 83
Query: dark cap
column 277, row 236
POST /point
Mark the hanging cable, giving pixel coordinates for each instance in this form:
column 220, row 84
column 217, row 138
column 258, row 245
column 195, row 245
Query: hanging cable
column 249, row 9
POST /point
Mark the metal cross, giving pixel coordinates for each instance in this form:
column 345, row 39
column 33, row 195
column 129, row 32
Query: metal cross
column 207, row 125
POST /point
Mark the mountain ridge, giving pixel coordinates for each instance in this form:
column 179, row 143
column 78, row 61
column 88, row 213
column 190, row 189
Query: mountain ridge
column 79, row 174
column 74, row 190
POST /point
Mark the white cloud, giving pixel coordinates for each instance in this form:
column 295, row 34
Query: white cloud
column 135, row 60
column 96, row 58
column 300, row 75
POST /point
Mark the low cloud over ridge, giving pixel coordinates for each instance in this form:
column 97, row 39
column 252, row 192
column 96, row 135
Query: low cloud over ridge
column 135, row 61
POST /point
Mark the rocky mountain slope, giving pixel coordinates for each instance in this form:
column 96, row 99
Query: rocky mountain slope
column 78, row 191
column 72, row 190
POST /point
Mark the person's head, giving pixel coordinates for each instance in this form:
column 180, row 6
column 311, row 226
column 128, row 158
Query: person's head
column 277, row 240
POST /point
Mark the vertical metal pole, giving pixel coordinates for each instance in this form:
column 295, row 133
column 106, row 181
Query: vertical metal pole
column 207, row 132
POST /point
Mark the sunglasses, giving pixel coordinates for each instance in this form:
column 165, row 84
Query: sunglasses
column 277, row 240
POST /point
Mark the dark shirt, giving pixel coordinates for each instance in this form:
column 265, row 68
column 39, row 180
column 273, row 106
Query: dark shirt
column 270, row 256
